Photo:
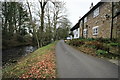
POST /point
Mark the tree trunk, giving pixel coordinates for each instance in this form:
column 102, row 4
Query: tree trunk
column 42, row 6
column 34, row 31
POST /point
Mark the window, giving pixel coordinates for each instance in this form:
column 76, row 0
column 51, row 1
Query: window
column 85, row 31
column 76, row 35
column 76, row 30
column 96, row 12
column 95, row 30
column 85, row 19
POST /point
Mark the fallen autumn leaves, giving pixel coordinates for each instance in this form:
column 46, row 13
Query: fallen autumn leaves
column 39, row 64
column 43, row 69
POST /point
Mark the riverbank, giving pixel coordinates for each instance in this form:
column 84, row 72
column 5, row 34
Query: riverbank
column 39, row 64
column 12, row 55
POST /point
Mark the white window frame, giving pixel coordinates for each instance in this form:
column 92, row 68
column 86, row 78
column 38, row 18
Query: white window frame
column 76, row 33
column 96, row 12
column 85, row 32
column 95, row 30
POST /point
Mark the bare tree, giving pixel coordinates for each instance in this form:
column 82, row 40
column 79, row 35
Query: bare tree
column 33, row 25
column 58, row 12
column 48, row 18
column 42, row 6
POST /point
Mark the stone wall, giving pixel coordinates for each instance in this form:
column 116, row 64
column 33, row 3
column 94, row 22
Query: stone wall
column 116, row 27
column 103, row 20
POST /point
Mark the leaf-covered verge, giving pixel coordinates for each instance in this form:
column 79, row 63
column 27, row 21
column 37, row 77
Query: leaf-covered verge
column 39, row 64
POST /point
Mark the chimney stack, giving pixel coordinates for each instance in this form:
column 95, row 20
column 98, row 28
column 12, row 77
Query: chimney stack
column 91, row 5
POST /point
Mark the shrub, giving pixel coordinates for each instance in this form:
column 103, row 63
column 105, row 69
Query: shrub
column 97, row 45
column 76, row 42
column 105, row 40
column 90, row 46
column 114, row 44
column 20, row 38
column 101, row 52
column 114, row 40
column 90, row 39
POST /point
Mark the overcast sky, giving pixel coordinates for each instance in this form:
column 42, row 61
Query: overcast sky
column 77, row 8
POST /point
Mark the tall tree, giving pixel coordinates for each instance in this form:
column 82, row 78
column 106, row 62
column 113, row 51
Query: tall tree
column 14, row 18
column 63, row 30
column 42, row 6
column 33, row 25
column 58, row 13
column 49, row 23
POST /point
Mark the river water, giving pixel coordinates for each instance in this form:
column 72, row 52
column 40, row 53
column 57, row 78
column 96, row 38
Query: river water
column 11, row 56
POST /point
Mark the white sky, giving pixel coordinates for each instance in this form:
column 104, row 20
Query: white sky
column 77, row 8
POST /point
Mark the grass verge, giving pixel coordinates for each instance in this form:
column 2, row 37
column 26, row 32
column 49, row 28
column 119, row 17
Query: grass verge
column 39, row 64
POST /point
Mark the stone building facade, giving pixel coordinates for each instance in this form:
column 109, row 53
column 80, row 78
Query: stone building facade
column 116, row 20
column 97, row 23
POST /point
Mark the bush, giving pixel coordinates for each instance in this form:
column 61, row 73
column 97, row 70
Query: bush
column 90, row 46
column 97, row 45
column 101, row 52
column 114, row 40
column 90, row 39
column 114, row 44
column 20, row 38
column 105, row 40
column 76, row 42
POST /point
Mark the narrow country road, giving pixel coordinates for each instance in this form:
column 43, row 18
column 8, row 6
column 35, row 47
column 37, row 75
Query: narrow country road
column 75, row 64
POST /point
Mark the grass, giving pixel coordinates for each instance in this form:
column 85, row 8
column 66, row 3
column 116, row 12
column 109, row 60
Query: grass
column 39, row 64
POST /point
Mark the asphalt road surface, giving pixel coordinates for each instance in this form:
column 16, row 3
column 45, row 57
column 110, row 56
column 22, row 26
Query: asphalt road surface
column 72, row 63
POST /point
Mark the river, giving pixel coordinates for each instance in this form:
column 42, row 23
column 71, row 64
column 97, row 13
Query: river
column 12, row 55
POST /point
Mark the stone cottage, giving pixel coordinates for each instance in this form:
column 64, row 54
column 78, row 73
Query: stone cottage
column 101, row 21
